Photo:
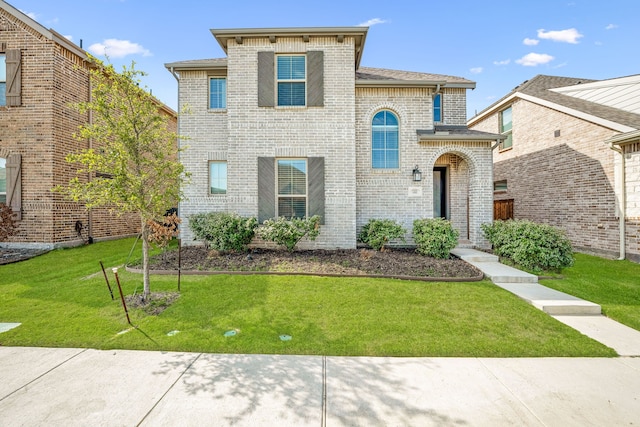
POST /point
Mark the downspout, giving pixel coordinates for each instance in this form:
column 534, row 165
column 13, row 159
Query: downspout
column 623, row 202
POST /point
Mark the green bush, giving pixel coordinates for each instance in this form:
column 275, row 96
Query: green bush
column 536, row 247
column 288, row 232
column 434, row 237
column 378, row 232
column 223, row 231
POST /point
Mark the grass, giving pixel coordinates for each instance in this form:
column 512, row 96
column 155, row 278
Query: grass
column 62, row 300
column 615, row 285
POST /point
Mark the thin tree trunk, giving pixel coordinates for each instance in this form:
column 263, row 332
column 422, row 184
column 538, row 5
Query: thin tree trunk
column 145, row 260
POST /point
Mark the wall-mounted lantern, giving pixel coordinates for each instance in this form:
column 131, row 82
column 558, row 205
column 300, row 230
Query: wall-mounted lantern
column 417, row 175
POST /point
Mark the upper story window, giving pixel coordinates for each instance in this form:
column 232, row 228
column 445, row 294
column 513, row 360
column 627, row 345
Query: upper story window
column 3, row 180
column 291, row 80
column 218, row 177
column 217, row 92
column 506, row 126
column 437, row 108
column 384, row 141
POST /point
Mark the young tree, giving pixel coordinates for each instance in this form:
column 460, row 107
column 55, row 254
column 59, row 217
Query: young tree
column 134, row 151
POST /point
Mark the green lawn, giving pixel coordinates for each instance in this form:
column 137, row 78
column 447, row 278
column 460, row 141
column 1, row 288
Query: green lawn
column 61, row 299
column 615, row 285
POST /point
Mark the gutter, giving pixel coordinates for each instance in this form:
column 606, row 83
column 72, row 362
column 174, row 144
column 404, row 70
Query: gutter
column 623, row 202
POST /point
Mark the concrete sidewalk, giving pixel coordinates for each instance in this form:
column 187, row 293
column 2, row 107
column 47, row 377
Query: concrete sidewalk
column 76, row 387
column 584, row 316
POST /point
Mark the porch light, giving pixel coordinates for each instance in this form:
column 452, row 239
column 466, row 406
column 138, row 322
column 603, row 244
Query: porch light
column 417, row 175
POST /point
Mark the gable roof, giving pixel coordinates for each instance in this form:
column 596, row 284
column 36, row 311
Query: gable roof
column 548, row 91
column 622, row 93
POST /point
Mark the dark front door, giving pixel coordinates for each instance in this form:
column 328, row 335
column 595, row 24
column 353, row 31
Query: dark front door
column 440, row 192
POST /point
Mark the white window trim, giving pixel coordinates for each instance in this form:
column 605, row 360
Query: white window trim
column 209, row 107
column 226, row 190
column 284, row 196
column 277, row 80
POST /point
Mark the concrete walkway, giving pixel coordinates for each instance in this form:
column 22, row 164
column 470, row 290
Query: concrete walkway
column 79, row 387
column 584, row 316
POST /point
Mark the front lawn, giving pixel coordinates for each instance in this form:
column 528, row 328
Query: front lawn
column 62, row 300
column 615, row 285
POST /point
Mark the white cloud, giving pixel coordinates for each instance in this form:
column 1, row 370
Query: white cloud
column 503, row 62
column 29, row 14
column 530, row 42
column 566, row 36
column 610, row 27
column 476, row 70
column 70, row 38
column 115, row 48
column 372, row 22
column 533, row 59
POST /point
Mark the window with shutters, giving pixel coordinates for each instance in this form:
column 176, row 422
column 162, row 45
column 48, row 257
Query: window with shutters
column 292, row 188
column 10, row 77
column 384, row 141
column 3, row 180
column 291, row 80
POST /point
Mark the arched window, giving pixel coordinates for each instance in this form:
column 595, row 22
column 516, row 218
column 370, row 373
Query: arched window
column 384, row 141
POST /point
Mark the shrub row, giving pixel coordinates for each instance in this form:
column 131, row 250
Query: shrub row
column 536, row 247
column 434, row 237
column 229, row 232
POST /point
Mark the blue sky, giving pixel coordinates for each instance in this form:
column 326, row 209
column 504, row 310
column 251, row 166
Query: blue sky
column 496, row 44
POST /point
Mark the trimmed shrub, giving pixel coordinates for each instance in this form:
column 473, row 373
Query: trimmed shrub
column 288, row 232
column 536, row 247
column 378, row 232
column 434, row 237
column 223, row 231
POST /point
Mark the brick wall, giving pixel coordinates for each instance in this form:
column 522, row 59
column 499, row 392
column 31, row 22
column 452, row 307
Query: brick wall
column 565, row 180
column 41, row 130
column 245, row 132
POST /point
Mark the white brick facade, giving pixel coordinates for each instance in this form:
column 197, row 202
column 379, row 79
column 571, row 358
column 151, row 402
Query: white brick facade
column 339, row 131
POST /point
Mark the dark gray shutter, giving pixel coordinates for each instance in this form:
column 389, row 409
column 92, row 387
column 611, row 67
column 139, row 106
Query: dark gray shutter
column 266, row 91
column 316, row 187
column 315, row 79
column 14, row 184
column 14, row 79
column 266, row 188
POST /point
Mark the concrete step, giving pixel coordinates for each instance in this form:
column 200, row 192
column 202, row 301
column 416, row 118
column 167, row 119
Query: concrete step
column 469, row 255
column 503, row 273
column 549, row 300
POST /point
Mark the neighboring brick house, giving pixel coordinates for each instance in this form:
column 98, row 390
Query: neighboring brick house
column 45, row 73
column 562, row 163
column 289, row 125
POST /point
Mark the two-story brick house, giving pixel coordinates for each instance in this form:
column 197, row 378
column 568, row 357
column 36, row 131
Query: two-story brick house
column 41, row 75
column 571, row 158
column 289, row 124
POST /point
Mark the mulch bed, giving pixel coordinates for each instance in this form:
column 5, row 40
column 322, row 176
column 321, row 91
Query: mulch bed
column 343, row 262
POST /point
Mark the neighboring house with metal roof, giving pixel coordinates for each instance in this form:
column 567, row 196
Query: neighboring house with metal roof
column 364, row 142
column 41, row 74
column 571, row 158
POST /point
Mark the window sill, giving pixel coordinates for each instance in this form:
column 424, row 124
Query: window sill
column 217, row 110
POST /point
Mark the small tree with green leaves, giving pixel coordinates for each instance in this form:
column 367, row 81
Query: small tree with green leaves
column 134, row 167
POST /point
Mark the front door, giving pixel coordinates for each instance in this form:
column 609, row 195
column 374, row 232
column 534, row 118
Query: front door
column 440, row 192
